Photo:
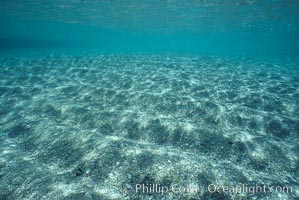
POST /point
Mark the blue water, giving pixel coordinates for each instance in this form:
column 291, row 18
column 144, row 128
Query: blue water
column 153, row 26
column 161, row 99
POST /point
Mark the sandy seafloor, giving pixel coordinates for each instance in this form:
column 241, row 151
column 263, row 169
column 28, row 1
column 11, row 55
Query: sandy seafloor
column 92, row 126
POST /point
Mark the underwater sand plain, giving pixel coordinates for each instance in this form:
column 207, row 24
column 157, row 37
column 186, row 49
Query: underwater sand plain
column 94, row 126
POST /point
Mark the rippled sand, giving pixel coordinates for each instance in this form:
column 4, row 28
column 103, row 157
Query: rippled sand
column 88, row 127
